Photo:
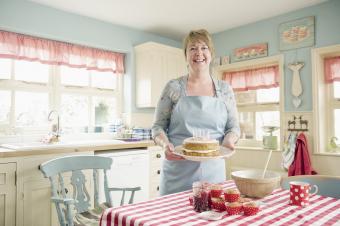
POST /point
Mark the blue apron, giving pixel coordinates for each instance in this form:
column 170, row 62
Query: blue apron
column 190, row 113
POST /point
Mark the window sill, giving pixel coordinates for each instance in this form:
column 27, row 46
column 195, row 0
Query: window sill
column 247, row 148
column 333, row 154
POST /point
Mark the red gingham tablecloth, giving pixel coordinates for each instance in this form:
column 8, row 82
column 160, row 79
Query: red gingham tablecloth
column 174, row 210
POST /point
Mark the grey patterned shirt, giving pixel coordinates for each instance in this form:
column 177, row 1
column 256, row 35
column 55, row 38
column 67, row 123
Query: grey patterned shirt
column 176, row 88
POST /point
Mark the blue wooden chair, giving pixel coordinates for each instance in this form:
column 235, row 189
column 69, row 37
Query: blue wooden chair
column 76, row 208
column 327, row 185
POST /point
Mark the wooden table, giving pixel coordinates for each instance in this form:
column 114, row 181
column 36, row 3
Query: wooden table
column 175, row 210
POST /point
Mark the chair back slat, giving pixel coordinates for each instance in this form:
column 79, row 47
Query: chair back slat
column 61, row 185
column 80, row 192
column 54, row 186
column 96, row 187
column 69, row 163
column 106, row 191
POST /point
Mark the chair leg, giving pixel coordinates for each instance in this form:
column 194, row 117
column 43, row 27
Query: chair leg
column 69, row 215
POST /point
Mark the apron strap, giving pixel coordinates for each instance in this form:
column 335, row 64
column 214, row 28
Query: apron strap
column 184, row 82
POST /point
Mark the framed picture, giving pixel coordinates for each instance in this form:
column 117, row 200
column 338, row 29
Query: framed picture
column 225, row 60
column 250, row 52
column 297, row 34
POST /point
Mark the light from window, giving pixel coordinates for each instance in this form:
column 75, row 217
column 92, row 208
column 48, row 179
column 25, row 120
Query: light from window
column 31, row 71
column 245, row 97
column 247, row 125
column 251, row 127
column 5, row 68
column 336, row 88
column 253, row 116
column 5, row 106
column 93, row 108
column 74, row 76
column 74, row 110
column 268, row 95
column 31, row 108
column 337, row 122
column 104, row 110
column 104, row 80
column 266, row 118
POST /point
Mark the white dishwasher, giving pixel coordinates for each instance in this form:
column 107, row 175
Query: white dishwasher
column 130, row 168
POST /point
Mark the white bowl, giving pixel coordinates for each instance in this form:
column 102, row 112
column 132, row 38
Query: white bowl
column 251, row 183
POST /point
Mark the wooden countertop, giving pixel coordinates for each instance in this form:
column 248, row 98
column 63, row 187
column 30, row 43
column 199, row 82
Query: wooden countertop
column 5, row 152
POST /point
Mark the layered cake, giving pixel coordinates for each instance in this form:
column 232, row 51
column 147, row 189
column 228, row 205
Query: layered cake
column 197, row 146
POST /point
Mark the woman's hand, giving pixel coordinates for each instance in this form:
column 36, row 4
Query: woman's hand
column 230, row 140
column 168, row 147
column 169, row 153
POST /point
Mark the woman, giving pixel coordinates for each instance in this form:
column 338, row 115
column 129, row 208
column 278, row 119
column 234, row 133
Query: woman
column 192, row 102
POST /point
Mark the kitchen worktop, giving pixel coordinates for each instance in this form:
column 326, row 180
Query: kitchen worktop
column 97, row 145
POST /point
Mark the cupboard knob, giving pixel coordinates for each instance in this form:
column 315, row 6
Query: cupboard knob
column 157, row 188
column 158, row 171
column 159, row 156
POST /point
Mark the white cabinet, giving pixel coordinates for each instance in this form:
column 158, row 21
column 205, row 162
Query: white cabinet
column 7, row 193
column 156, row 156
column 156, row 64
column 129, row 169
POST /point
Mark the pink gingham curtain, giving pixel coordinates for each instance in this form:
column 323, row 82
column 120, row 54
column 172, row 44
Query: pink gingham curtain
column 332, row 69
column 18, row 46
column 251, row 79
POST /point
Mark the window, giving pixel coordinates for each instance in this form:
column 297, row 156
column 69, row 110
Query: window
column 336, row 108
column 258, row 100
column 87, row 101
column 326, row 101
column 257, row 108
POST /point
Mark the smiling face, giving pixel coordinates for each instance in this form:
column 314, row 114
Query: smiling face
column 198, row 50
column 198, row 56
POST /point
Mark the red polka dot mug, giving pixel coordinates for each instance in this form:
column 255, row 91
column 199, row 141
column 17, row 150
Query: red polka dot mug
column 300, row 193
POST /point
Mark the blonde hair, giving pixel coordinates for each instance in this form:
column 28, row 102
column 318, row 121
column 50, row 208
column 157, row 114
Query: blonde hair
column 197, row 36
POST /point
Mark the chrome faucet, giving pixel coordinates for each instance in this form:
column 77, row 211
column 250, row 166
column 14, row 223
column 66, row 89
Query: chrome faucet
column 55, row 127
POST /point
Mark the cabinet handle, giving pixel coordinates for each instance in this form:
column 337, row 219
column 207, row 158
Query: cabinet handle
column 159, row 156
column 157, row 188
column 158, row 171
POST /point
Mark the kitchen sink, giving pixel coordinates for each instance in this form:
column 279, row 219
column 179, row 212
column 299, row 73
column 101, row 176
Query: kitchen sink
column 61, row 144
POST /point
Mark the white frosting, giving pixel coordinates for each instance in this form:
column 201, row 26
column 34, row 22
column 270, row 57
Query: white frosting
column 200, row 140
column 200, row 151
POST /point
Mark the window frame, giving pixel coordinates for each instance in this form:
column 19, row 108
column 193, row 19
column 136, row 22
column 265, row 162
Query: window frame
column 54, row 90
column 252, row 64
column 323, row 103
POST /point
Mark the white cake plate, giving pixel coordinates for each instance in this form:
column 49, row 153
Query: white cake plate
column 224, row 153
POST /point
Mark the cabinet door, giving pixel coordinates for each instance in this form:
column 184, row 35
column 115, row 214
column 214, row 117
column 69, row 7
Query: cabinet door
column 149, row 72
column 129, row 171
column 156, row 64
column 7, row 193
column 175, row 65
column 38, row 209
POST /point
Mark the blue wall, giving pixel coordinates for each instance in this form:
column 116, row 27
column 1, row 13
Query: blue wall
column 34, row 19
column 327, row 32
